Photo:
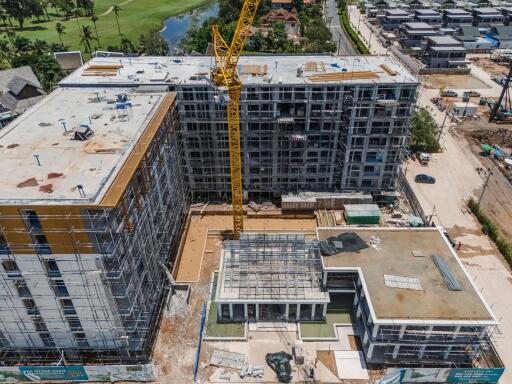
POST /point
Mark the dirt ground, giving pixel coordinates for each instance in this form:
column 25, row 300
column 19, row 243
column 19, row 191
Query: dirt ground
column 176, row 342
column 489, row 66
column 451, row 81
column 457, row 180
column 497, row 198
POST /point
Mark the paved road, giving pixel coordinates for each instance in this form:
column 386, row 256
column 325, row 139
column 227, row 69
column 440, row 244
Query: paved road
column 333, row 21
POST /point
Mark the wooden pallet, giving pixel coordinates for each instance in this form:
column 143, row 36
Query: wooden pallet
column 340, row 76
column 388, row 70
column 254, row 69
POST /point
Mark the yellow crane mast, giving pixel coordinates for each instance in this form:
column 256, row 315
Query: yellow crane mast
column 225, row 76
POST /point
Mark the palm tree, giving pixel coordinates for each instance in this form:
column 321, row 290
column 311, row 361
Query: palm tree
column 5, row 51
column 94, row 19
column 60, row 31
column 117, row 9
column 76, row 12
column 86, row 36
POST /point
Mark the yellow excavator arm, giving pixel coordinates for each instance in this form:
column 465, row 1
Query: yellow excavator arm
column 225, row 75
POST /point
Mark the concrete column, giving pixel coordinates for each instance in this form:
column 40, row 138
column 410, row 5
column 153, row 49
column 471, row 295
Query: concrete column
column 447, row 352
column 246, row 312
column 422, row 351
column 219, row 310
column 230, row 311
column 356, row 299
column 482, row 333
column 396, row 349
column 257, row 312
column 313, row 311
column 429, row 332
column 297, row 317
column 358, row 312
column 365, row 338
column 402, row 332
column 324, row 313
column 370, row 351
column 456, row 333
column 324, row 279
column 375, row 331
column 287, row 311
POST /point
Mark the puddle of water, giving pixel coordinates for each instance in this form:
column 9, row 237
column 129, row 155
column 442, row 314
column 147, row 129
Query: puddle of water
column 176, row 27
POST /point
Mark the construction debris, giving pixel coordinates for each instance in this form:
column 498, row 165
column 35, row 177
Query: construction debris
column 249, row 370
column 227, row 359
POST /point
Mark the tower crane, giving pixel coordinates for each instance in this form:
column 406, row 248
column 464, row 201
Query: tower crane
column 226, row 77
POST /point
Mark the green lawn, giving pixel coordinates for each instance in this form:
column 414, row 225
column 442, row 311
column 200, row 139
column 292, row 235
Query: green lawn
column 136, row 16
column 325, row 329
column 216, row 329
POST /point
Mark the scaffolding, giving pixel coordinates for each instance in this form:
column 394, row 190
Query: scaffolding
column 272, row 267
column 109, row 305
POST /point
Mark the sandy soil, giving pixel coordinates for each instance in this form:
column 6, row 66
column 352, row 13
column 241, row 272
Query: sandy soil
column 489, row 66
column 450, row 81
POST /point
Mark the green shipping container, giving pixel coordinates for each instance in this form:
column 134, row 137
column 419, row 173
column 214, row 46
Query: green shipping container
column 362, row 214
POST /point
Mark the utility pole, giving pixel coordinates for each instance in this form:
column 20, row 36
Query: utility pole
column 432, row 215
column 489, row 174
column 442, row 127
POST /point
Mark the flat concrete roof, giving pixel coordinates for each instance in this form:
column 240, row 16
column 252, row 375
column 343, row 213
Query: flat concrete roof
column 196, row 70
column 427, row 12
column 394, row 256
column 457, row 12
column 487, row 11
column 419, row 26
column 47, row 131
column 444, row 41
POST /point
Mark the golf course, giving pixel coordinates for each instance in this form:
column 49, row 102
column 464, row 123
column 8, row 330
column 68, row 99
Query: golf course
column 134, row 16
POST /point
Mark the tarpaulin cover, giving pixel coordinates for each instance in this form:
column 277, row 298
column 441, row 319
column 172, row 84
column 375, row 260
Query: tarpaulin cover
column 344, row 242
column 280, row 364
column 486, row 147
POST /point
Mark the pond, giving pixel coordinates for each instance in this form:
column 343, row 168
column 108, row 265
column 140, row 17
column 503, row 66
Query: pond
column 176, row 27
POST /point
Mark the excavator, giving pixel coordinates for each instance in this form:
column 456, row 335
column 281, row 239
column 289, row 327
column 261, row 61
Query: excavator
column 226, row 77
column 501, row 110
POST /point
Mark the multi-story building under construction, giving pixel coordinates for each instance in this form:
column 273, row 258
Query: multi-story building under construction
column 92, row 205
column 97, row 180
column 315, row 123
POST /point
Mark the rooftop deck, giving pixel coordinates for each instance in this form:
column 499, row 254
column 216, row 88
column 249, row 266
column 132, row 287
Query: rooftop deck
column 394, row 256
column 43, row 163
column 253, row 70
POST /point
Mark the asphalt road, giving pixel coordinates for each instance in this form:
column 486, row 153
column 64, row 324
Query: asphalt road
column 333, row 21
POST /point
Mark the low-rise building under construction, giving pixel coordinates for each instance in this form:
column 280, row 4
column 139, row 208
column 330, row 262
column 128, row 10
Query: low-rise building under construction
column 412, row 300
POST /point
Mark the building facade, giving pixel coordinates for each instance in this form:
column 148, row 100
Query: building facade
column 296, row 136
column 86, row 242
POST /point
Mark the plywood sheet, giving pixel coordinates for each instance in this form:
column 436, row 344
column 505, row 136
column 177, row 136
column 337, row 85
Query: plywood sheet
column 340, row 76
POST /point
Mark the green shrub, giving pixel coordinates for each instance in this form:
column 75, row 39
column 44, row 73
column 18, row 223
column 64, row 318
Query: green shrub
column 490, row 229
column 345, row 23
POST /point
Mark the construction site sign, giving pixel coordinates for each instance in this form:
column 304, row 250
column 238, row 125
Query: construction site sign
column 443, row 375
column 78, row 373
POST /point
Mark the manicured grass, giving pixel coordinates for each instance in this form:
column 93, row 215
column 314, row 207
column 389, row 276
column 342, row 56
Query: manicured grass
column 136, row 17
column 325, row 329
column 216, row 329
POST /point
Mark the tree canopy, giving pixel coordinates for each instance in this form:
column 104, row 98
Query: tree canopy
column 424, row 132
